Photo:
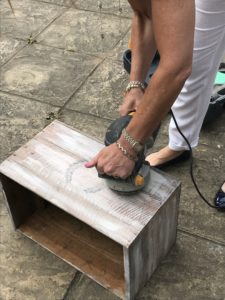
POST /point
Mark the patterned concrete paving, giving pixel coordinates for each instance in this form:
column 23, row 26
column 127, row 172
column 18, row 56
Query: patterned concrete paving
column 46, row 74
column 62, row 59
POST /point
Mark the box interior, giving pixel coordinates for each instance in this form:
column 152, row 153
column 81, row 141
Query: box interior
column 69, row 238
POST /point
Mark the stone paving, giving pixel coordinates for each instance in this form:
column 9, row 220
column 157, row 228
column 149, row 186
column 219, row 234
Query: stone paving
column 63, row 59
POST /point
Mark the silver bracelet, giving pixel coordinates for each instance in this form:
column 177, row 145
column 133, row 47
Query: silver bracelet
column 138, row 147
column 135, row 84
column 125, row 152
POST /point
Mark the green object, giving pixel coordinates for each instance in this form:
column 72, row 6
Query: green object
column 220, row 78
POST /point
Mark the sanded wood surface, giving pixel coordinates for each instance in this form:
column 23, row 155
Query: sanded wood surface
column 115, row 239
column 78, row 244
column 52, row 166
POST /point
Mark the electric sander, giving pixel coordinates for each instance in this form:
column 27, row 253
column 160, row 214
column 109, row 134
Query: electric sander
column 141, row 173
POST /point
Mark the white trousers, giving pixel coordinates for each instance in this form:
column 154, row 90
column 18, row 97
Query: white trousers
column 209, row 46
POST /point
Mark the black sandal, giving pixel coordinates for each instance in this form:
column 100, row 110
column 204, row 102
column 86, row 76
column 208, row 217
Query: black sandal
column 181, row 158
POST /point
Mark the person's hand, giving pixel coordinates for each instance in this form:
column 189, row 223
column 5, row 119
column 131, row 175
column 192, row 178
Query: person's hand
column 111, row 161
column 131, row 101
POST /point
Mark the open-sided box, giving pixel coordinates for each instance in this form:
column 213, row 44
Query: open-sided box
column 117, row 240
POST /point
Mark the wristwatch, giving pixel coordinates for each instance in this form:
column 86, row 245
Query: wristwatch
column 138, row 147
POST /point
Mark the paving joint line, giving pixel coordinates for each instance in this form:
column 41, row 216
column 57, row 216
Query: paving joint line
column 74, row 281
column 56, row 4
column 29, row 98
column 17, row 52
column 88, row 114
column 52, row 21
column 103, row 56
column 104, row 13
column 82, row 83
column 56, row 106
column 123, row 36
column 33, row 37
column 197, row 235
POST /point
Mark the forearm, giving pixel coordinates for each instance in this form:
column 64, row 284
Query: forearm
column 143, row 51
column 143, row 46
column 158, row 98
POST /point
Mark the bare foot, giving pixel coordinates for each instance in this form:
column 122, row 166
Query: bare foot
column 162, row 156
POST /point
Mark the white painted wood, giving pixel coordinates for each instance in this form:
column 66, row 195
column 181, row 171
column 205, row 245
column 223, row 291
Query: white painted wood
column 143, row 225
column 151, row 246
column 52, row 166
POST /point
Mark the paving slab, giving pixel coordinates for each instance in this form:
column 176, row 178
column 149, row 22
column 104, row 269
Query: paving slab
column 29, row 272
column 92, row 90
column 88, row 289
column 87, row 124
column 118, row 51
column 8, row 47
column 81, row 31
column 212, row 134
column 195, row 215
column 102, row 93
column 20, row 120
column 193, row 270
column 120, row 7
column 46, row 74
column 30, row 18
column 209, row 165
column 67, row 3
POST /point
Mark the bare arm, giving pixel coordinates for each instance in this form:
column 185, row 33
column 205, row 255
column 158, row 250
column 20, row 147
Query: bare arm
column 143, row 51
column 143, row 42
column 173, row 29
column 173, row 26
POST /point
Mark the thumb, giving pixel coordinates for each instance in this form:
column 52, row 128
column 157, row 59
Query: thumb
column 91, row 163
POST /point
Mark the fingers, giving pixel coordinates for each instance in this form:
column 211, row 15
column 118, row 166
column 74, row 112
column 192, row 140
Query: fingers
column 112, row 162
column 123, row 110
column 108, row 169
column 92, row 163
column 126, row 108
column 131, row 101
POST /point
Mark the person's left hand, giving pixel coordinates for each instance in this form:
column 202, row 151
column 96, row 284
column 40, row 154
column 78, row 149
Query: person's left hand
column 111, row 161
column 131, row 101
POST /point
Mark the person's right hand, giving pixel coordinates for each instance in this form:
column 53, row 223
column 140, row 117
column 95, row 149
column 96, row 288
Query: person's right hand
column 131, row 101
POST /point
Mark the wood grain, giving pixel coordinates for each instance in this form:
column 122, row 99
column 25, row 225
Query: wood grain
column 79, row 245
column 52, row 166
column 115, row 239
column 151, row 246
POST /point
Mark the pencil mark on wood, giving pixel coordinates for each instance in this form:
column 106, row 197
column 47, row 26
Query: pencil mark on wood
column 74, row 166
column 116, row 240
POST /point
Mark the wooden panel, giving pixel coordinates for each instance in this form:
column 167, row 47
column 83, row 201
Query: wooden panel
column 21, row 202
column 151, row 246
column 116, row 240
column 79, row 245
column 51, row 165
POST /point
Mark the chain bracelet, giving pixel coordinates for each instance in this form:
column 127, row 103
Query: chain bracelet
column 125, row 152
column 135, row 84
column 132, row 142
column 128, row 138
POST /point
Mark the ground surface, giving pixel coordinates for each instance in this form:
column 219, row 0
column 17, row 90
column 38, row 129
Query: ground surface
column 55, row 64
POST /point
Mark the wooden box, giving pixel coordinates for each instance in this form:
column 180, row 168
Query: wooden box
column 116, row 240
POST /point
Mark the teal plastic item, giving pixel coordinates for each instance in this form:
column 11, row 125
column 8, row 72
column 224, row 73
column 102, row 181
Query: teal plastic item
column 220, row 78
